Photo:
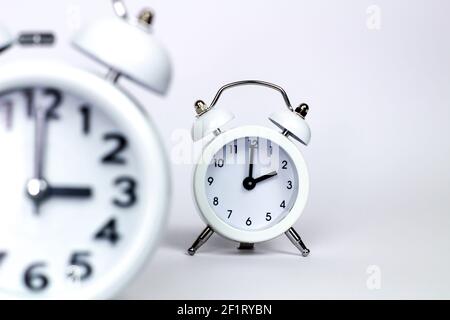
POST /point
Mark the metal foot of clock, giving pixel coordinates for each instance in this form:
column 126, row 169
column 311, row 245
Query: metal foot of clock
column 208, row 232
column 202, row 238
column 246, row 246
column 297, row 241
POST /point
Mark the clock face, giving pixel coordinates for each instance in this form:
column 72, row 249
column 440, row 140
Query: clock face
column 71, row 198
column 251, row 183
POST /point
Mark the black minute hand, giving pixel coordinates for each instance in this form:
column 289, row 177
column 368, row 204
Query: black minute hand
column 250, row 163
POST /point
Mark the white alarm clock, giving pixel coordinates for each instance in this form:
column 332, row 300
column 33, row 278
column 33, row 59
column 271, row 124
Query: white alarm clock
column 251, row 183
column 84, row 179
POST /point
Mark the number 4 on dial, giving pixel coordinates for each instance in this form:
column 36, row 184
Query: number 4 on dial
column 109, row 232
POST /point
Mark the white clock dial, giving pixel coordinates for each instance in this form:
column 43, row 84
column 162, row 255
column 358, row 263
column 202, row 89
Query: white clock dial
column 86, row 221
column 279, row 174
column 251, row 183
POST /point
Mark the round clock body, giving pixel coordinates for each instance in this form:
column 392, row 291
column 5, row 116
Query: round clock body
column 109, row 176
column 251, row 184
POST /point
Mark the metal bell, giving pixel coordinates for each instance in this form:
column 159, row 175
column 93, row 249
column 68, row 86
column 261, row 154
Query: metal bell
column 294, row 123
column 209, row 121
column 128, row 48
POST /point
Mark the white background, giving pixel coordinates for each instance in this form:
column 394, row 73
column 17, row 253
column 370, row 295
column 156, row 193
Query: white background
column 379, row 157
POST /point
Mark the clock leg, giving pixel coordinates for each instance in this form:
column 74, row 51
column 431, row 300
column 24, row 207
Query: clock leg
column 246, row 246
column 202, row 238
column 297, row 241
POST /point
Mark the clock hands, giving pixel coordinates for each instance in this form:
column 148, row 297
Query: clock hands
column 40, row 137
column 70, row 192
column 249, row 182
column 250, row 164
column 37, row 188
column 266, row 176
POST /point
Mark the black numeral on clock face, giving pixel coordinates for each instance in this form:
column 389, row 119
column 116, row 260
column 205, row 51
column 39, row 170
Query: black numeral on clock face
column 109, row 232
column 115, row 155
column 219, row 163
column 85, row 112
column 128, row 187
column 80, row 267
column 34, row 277
column 56, row 100
column 56, row 103
column 233, row 148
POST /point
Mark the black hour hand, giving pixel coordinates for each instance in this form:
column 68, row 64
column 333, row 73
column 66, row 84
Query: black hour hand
column 70, row 192
column 249, row 183
column 265, row 177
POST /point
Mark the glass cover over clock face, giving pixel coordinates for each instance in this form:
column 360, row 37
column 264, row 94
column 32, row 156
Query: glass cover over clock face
column 251, row 183
column 70, row 195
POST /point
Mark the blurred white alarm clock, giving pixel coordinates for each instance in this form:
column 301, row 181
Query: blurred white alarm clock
column 84, row 179
column 251, row 183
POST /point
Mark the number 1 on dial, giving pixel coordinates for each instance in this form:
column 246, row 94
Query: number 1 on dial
column 85, row 111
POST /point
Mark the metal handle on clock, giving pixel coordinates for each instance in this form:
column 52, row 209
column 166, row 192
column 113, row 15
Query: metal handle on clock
column 252, row 82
